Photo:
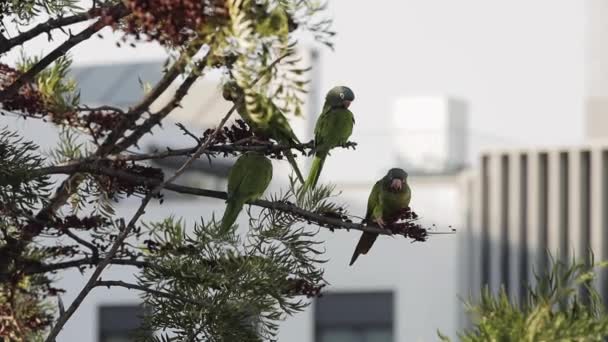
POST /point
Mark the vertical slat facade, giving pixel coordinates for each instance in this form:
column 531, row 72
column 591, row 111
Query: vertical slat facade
column 495, row 218
column 532, row 231
column 532, row 202
column 515, row 236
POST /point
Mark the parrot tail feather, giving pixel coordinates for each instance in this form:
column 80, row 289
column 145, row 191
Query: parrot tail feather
column 294, row 166
column 364, row 245
column 315, row 171
column 232, row 211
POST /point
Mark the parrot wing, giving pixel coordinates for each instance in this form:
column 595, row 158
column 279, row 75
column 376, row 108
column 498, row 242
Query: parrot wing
column 249, row 177
column 373, row 200
column 374, row 205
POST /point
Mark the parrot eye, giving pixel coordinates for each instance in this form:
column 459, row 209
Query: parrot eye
column 342, row 96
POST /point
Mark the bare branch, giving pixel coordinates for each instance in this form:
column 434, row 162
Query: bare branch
column 319, row 219
column 100, row 108
column 94, row 250
column 69, row 185
column 50, row 25
column 91, row 283
column 134, row 113
column 61, row 50
column 156, row 118
column 227, row 148
column 109, row 283
column 36, row 268
column 188, row 133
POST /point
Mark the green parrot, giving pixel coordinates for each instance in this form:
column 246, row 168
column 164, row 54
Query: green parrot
column 333, row 128
column 270, row 123
column 247, row 181
column 389, row 196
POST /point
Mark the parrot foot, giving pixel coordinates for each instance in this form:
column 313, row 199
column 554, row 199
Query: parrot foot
column 260, row 141
column 243, row 141
column 380, row 222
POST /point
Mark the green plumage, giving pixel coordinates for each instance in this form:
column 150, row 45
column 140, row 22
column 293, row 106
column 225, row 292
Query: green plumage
column 333, row 128
column 266, row 120
column 384, row 203
column 247, row 181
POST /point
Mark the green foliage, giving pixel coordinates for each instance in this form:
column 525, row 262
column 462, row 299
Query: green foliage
column 24, row 316
column 18, row 188
column 59, row 91
column 24, row 11
column 553, row 310
column 226, row 285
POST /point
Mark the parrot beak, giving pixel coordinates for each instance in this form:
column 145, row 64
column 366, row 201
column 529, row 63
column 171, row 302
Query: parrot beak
column 346, row 104
column 396, row 184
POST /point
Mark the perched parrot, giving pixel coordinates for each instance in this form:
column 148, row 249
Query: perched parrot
column 333, row 128
column 247, row 181
column 389, row 196
column 270, row 123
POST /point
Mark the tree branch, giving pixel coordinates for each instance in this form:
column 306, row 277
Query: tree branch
column 48, row 26
column 90, row 246
column 320, row 220
column 119, row 12
column 36, row 268
column 69, row 185
column 118, row 283
column 226, row 148
column 102, row 265
column 157, row 117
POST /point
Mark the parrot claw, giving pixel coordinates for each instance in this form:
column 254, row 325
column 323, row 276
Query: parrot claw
column 243, row 141
column 380, row 222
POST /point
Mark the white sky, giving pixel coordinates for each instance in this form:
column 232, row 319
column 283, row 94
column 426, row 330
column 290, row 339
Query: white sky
column 519, row 64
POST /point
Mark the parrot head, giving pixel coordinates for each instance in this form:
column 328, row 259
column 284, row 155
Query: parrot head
column 231, row 91
column 340, row 96
column 395, row 179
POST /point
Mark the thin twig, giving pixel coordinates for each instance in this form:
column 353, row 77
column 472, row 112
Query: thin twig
column 110, row 283
column 188, row 133
column 225, row 148
column 119, row 12
column 37, row 268
column 47, row 27
column 100, row 108
column 102, row 265
column 157, row 117
column 94, row 250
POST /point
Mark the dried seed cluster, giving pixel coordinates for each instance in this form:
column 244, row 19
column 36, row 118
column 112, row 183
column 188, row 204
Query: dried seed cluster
column 170, row 22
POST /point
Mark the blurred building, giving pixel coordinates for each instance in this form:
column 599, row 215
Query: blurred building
column 528, row 201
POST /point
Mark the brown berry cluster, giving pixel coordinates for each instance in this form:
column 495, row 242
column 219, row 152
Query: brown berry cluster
column 171, row 22
column 31, row 103
column 116, row 186
column 238, row 131
column 27, row 100
column 101, row 122
column 305, row 288
column 73, row 221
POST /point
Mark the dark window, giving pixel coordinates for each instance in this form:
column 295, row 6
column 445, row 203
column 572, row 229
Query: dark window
column 354, row 317
column 119, row 323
